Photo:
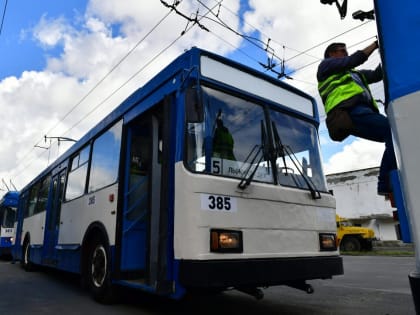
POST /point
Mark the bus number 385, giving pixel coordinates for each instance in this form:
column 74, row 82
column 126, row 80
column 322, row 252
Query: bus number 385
column 219, row 203
column 216, row 202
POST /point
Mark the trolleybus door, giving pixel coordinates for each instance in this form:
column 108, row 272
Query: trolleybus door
column 53, row 218
column 141, row 197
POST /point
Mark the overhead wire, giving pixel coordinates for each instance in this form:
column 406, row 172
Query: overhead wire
column 252, row 40
column 328, row 40
column 260, row 44
column 219, row 21
column 223, row 24
column 3, row 16
column 259, row 31
column 256, row 29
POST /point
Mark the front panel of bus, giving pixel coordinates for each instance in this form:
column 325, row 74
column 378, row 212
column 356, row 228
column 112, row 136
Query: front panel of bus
column 7, row 230
column 251, row 207
column 8, row 206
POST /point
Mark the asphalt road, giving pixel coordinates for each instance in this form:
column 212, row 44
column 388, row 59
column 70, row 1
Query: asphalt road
column 371, row 285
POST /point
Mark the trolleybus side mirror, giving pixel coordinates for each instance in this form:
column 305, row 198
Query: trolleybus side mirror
column 193, row 106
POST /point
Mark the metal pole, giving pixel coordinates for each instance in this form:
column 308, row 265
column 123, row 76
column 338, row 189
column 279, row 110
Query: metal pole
column 396, row 24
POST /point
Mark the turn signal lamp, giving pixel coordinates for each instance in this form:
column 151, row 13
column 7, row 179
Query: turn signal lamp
column 226, row 241
column 327, row 242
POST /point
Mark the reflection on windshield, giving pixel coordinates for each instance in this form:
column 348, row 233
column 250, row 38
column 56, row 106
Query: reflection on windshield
column 222, row 140
column 234, row 128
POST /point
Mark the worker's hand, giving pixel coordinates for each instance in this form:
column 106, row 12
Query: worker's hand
column 371, row 48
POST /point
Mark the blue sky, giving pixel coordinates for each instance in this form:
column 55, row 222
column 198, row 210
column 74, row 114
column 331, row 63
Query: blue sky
column 54, row 52
column 18, row 49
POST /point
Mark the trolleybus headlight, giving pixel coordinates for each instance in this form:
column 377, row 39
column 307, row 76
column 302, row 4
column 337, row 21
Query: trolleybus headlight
column 226, row 241
column 327, row 242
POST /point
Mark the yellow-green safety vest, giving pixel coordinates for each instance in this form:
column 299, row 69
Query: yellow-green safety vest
column 340, row 87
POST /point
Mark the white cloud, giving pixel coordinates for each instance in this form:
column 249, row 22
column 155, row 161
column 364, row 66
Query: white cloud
column 359, row 154
column 50, row 32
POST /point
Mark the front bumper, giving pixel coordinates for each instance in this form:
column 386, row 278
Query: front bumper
column 257, row 272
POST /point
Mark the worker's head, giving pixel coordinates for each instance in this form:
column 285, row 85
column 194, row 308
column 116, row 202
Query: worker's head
column 335, row 50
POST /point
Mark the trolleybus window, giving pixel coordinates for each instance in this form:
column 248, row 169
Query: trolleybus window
column 77, row 177
column 105, row 158
column 33, row 198
column 43, row 195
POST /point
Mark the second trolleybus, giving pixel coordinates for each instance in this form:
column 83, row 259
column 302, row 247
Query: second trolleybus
column 8, row 207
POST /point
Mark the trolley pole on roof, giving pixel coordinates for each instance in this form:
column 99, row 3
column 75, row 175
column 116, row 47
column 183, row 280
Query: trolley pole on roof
column 59, row 139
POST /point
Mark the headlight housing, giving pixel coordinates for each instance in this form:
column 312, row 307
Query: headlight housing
column 226, row 241
column 327, row 242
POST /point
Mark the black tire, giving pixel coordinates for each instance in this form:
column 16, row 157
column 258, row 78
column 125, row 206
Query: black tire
column 97, row 274
column 350, row 244
column 368, row 245
column 26, row 254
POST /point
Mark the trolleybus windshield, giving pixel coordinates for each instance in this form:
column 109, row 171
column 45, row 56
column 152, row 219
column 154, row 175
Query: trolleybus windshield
column 236, row 138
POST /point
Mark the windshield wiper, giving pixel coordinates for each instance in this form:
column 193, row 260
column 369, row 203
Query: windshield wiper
column 248, row 175
column 258, row 153
column 279, row 148
column 282, row 150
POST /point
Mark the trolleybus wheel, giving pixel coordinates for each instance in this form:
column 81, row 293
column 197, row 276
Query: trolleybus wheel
column 98, row 272
column 26, row 262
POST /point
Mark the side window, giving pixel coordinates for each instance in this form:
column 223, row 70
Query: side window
column 105, row 158
column 77, row 176
column 42, row 201
column 23, row 203
column 33, row 198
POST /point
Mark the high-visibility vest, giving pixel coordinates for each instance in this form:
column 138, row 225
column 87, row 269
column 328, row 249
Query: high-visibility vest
column 340, row 87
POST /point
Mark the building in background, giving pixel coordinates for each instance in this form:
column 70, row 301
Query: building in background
column 357, row 200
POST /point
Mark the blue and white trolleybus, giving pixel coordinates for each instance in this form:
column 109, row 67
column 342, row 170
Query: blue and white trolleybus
column 209, row 177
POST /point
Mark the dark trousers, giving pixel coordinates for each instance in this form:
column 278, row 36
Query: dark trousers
column 373, row 126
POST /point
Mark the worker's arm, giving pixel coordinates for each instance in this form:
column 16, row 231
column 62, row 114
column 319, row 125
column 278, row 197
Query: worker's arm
column 371, row 48
column 330, row 66
column 373, row 76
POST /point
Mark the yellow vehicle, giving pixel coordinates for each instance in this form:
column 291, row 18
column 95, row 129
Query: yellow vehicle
column 353, row 238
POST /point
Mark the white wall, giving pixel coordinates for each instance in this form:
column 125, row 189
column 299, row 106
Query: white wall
column 385, row 230
column 356, row 197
